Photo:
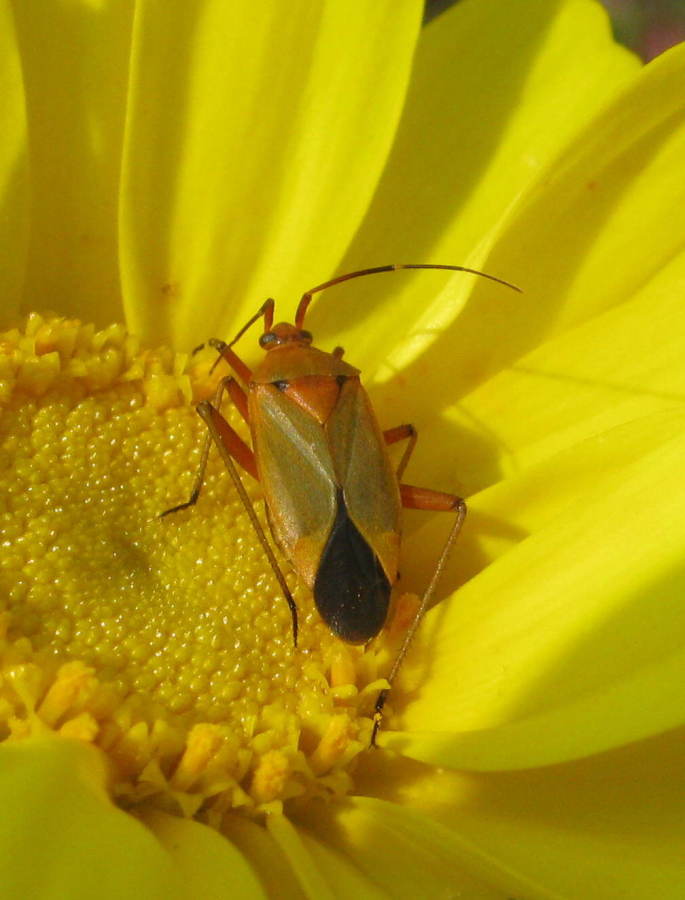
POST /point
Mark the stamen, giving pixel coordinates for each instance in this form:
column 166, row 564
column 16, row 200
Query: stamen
column 162, row 642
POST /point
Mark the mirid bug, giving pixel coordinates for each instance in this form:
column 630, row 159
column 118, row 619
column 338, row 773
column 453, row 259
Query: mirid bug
column 332, row 497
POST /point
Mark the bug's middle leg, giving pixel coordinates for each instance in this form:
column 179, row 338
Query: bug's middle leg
column 239, row 449
column 402, row 433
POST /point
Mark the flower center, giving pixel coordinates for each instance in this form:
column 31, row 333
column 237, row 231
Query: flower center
column 165, row 642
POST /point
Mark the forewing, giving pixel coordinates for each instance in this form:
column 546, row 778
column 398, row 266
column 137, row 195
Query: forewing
column 365, row 474
column 296, row 474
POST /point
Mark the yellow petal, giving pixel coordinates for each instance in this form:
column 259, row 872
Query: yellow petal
column 210, row 866
column 14, row 222
column 497, row 91
column 609, row 213
column 571, row 642
column 600, row 221
column 524, row 502
column 346, row 880
column 606, row 827
column 62, row 836
column 74, row 61
column 265, row 855
column 311, row 879
column 409, row 855
column 255, row 137
column 621, row 365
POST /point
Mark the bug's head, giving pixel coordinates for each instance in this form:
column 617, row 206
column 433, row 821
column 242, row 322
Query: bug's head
column 285, row 333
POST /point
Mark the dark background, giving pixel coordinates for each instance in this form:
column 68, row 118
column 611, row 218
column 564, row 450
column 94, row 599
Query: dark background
column 646, row 26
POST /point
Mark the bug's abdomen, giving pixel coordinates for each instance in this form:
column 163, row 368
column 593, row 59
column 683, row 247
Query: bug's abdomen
column 351, row 590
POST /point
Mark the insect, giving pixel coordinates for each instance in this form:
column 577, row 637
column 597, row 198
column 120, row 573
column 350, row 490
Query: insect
column 333, row 499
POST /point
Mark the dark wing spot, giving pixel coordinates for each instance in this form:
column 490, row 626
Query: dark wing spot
column 351, row 590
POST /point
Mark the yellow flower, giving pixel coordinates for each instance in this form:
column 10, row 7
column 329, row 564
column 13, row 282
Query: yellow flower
column 171, row 168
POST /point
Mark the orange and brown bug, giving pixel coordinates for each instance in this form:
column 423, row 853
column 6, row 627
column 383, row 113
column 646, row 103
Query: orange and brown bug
column 333, row 499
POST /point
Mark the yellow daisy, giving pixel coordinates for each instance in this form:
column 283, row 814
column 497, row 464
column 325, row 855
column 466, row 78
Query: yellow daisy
column 169, row 166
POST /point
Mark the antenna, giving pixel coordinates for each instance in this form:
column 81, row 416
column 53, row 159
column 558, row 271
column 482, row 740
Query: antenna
column 307, row 296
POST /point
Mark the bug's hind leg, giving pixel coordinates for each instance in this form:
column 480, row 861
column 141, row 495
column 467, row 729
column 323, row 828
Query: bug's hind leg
column 239, row 448
column 422, row 498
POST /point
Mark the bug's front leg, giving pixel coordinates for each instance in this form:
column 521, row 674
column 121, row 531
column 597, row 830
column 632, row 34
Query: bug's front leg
column 422, row 498
column 238, row 447
column 231, row 447
column 234, row 450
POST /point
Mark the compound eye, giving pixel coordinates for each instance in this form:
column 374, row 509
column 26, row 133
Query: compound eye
column 268, row 339
column 306, row 335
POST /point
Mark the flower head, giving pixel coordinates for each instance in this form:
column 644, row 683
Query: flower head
column 171, row 172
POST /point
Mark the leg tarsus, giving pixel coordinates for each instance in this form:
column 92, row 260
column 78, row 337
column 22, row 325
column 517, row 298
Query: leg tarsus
column 191, row 502
column 226, row 384
column 402, row 433
column 219, row 346
column 378, row 715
